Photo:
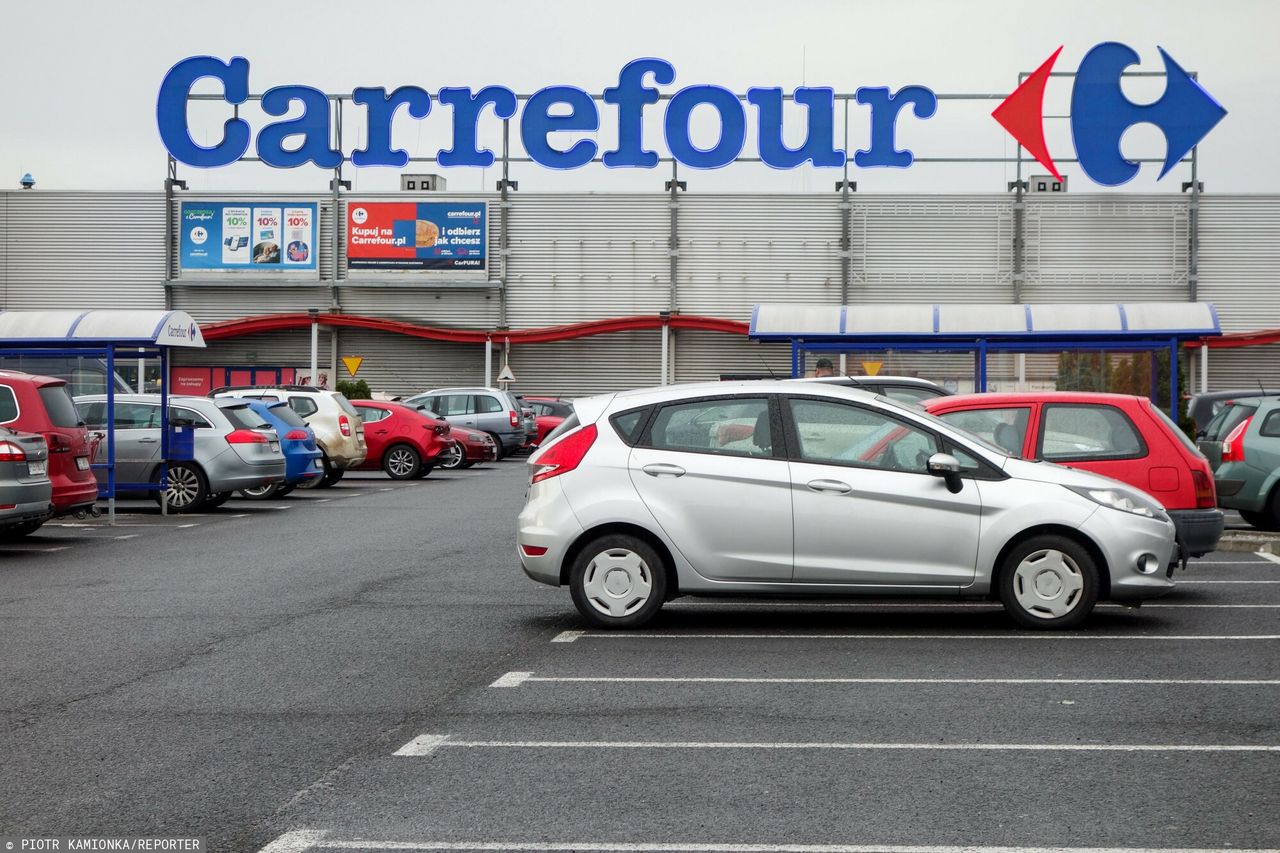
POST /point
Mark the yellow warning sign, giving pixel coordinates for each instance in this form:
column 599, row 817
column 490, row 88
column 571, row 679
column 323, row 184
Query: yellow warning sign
column 353, row 363
column 871, row 367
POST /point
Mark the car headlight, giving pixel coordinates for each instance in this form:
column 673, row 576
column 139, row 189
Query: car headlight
column 477, row 439
column 1122, row 500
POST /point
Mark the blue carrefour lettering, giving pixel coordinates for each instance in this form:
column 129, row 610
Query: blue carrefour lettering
column 733, row 127
column 171, row 111
column 1100, row 113
column 630, row 96
column 817, row 148
column 466, row 115
column 312, row 126
column 884, row 120
column 537, row 122
column 381, row 109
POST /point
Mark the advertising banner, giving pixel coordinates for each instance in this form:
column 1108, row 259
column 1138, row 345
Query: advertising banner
column 262, row 237
column 449, row 236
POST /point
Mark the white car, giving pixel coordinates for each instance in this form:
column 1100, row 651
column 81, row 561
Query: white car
column 784, row 488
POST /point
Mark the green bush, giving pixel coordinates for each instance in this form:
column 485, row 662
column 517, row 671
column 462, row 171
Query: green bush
column 354, row 389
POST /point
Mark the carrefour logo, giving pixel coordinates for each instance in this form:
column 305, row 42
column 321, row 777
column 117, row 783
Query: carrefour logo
column 1100, row 113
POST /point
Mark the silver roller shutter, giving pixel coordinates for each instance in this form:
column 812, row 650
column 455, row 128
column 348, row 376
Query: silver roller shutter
column 593, row 365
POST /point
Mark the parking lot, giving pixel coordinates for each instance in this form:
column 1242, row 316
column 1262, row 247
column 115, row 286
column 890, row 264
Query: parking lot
column 366, row 668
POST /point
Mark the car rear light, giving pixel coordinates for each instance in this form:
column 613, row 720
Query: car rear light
column 344, row 425
column 10, row 452
column 438, row 429
column 566, row 454
column 1233, row 447
column 246, row 436
column 515, row 419
column 296, row 435
column 1205, row 497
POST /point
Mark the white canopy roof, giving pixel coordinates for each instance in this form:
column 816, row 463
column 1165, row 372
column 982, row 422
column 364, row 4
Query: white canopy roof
column 924, row 320
column 136, row 328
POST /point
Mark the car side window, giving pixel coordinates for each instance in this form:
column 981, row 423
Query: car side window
column 198, row 420
column 486, row 405
column 841, row 434
column 94, row 415
column 8, row 405
column 1081, row 433
column 1271, row 426
column 458, row 404
column 137, row 416
column 1005, row 428
column 732, row 427
column 304, row 406
column 371, row 415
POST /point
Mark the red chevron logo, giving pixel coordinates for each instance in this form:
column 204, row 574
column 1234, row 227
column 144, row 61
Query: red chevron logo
column 1022, row 114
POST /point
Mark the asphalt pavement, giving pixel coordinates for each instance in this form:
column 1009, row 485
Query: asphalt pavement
column 365, row 668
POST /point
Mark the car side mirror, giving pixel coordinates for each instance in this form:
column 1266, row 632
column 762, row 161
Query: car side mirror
column 947, row 467
column 1201, row 435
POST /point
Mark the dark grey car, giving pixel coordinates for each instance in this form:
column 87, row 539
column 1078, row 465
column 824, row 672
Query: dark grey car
column 25, row 491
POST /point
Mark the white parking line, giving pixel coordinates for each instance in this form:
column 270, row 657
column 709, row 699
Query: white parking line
column 574, row 636
column 294, row 842
column 184, row 526
column 54, row 549
column 1225, row 563
column 1268, row 556
column 721, row 847
column 1198, row 583
column 127, row 536
column 322, row 500
column 988, row 605
column 425, row 745
column 516, row 679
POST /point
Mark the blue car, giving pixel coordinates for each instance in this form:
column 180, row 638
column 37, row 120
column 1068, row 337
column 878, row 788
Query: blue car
column 303, row 460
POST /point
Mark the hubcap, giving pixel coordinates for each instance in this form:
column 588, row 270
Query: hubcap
column 454, row 457
column 1048, row 584
column 182, row 488
column 617, row 582
column 257, row 491
column 400, row 462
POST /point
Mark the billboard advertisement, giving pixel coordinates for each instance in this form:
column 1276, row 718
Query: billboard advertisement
column 412, row 236
column 259, row 236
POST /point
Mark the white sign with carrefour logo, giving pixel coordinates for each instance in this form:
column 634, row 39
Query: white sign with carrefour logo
column 259, row 237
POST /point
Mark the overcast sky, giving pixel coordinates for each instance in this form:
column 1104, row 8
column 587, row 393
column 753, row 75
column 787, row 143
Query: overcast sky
column 81, row 79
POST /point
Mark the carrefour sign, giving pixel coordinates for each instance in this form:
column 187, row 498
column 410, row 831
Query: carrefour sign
column 1100, row 115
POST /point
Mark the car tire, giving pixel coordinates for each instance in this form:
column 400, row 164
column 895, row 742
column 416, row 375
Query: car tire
column 454, row 458
column 331, row 476
column 401, row 462
column 18, row 531
column 465, row 464
column 502, row 454
column 187, row 488
column 1049, row 583
column 218, row 499
column 284, row 489
column 425, row 472
column 314, row 482
column 261, row 493
column 618, row 581
column 1269, row 518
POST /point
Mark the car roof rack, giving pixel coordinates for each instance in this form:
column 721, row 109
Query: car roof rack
column 271, row 387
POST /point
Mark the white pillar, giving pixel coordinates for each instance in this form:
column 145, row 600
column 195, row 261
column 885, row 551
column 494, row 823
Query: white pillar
column 315, row 349
column 1022, row 371
column 488, row 362
column 666, row 348
column 1204, row 368
column 844, row 364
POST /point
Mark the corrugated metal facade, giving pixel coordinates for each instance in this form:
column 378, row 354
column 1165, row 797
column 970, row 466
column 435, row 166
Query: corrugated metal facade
column 584, row 256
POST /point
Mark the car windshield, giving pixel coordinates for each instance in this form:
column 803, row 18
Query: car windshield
column 243, row 417
column 345, row 404
column 58, row 403
column 1228, row 420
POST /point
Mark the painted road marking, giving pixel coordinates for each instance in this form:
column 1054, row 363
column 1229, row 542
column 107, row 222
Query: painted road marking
column 184, row 526
column 424, row 745
column 1185, row 583
column 516, row 679
column 127, row 536
column 986, row 605
column 719, row 847
column 54, row 549
column 294, row 842
column 1269, row 557
column 574, row 636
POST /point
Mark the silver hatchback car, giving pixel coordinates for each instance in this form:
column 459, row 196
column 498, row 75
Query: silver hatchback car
column 783, row 488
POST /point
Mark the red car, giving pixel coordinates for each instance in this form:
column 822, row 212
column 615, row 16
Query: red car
column 1122, row 437
column 476, row 447
column 401, row 440
column 43, row 404
column 548, row 412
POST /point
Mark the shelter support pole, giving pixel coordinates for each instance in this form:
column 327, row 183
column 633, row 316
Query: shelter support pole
column 981, row 366
column 164, row 429
column 1173, row 378
column 1204, row 367
column 111, row 438
column 488, row 361
column 1155, row 379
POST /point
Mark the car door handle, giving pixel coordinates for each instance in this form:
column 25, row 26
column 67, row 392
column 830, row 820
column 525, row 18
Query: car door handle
column 147, row 440
column 834, row 487
column 663, row 469
column 381, row 432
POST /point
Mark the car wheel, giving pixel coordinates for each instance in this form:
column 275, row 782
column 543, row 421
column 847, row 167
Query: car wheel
column 423, row 474
column 465, row 464
column 498, row 443
column 218, row 500
column 401, row 462
column 331, row 476
column 283, row 489
column 618, row 581
column 1260, row 520
column 1049, row 582
column 186, row 489
column 453, row 457
column 314, row 482
column 261, row 493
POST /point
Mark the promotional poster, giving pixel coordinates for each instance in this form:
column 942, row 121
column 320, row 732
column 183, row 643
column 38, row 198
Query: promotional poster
column 271, row 237
column 417, row 236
